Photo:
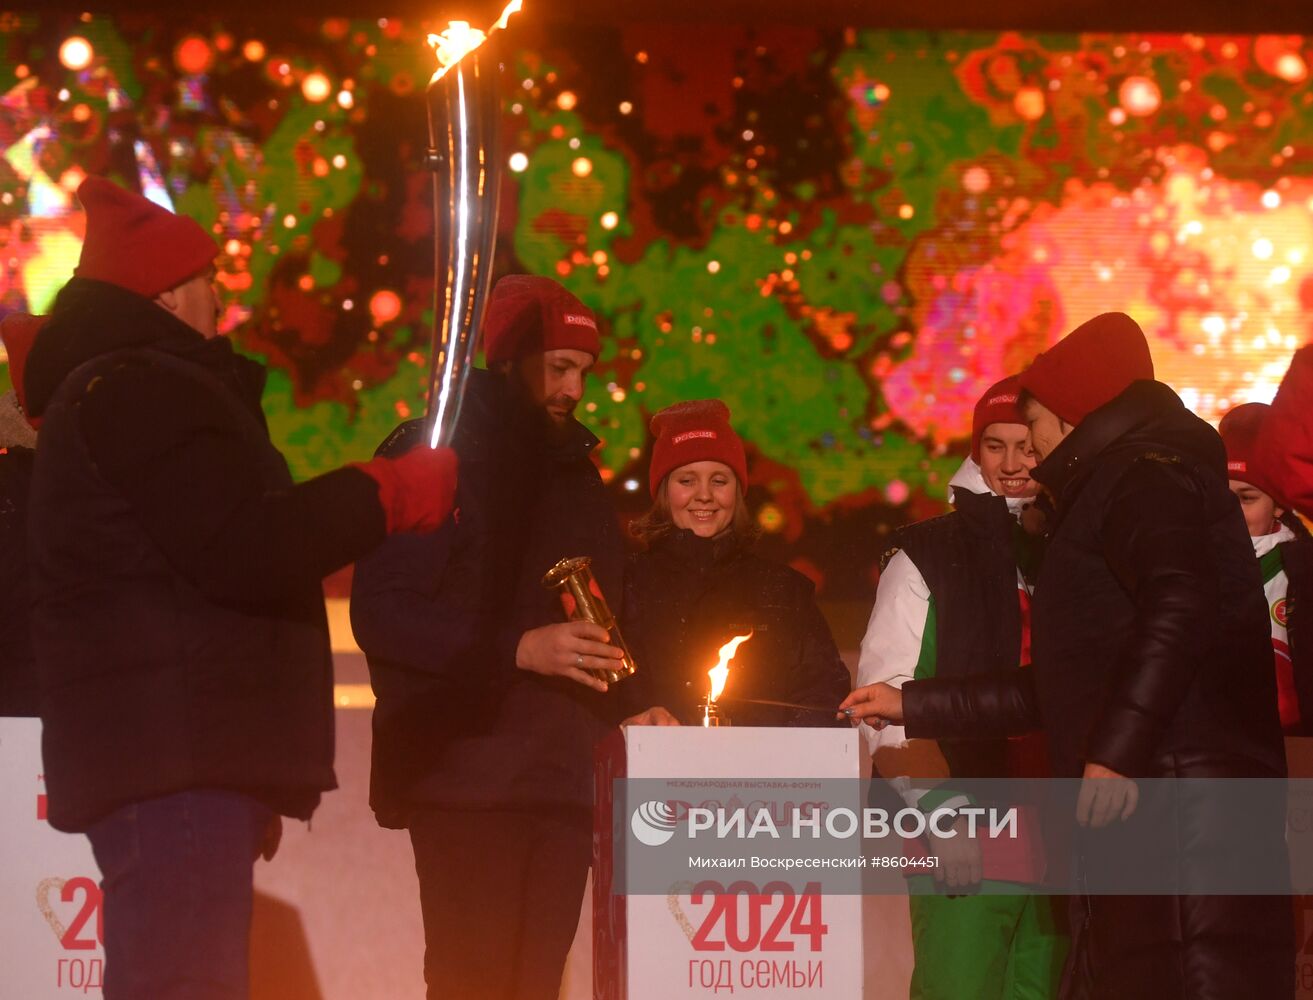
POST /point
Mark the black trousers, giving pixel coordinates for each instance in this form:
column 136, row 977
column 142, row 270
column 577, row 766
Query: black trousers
column 500, row 891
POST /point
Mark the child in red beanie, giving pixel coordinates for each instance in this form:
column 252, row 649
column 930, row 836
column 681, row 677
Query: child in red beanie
column 1285, row 557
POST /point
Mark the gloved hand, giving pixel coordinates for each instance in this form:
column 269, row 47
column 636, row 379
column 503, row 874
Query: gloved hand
column 416, row 490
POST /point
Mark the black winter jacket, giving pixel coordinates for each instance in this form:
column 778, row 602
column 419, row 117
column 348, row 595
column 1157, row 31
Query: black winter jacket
column 1152, row 656
column 18, row 680
column 687, row 596
column 178, row 619
column 439, row 618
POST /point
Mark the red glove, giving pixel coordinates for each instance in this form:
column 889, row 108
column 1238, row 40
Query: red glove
column 416, row 490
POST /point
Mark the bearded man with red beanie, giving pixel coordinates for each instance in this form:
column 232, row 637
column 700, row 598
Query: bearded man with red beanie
column 1285, row 559
column 487, row 713
column 1151, row 659
column 178, row 618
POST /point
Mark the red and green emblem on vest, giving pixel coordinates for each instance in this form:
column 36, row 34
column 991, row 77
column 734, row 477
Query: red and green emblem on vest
column 1279, row 612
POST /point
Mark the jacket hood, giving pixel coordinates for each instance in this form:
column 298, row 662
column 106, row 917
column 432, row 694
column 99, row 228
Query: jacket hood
column 93, row 318
column 15, row 431
column 1148, row 418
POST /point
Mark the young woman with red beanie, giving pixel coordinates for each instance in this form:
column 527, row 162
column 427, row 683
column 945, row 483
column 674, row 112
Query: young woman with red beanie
column 698, row 584
column 1285, row 557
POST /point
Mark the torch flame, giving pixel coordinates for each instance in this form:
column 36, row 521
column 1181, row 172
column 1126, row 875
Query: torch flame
column 458, row 39
column 719, row 674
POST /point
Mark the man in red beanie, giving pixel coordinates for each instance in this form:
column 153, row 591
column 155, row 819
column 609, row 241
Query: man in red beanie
column 18, row 680
column 178, row 620
column 487, row 707
column 954, row 601
column 1285, row 559
column 1151, row 659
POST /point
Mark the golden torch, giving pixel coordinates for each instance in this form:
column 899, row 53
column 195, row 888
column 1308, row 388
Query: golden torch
column 583, row 601
column 464, row 120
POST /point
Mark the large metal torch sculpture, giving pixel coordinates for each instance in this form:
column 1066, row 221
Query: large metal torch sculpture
column 464, row 121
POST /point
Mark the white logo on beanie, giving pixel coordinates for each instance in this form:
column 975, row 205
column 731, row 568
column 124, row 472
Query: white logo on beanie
column 1000, row 400
column 579, row 319
column 1237, row 466
column 691, row 435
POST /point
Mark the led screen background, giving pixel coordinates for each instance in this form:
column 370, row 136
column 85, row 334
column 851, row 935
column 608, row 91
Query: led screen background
column 846, row 235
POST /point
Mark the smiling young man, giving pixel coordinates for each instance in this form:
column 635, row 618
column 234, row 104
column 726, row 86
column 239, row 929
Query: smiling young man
column 1151, row 659
column 486, row 715
column 954, row 601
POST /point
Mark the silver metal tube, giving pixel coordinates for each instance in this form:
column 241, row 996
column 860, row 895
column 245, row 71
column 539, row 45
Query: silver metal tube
column 464, row 125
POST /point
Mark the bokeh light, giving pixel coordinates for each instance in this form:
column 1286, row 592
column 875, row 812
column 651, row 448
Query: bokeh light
column 1140, row 96
column 76, row 53
column 847, row 277
column 316, row 87
column 193, row 55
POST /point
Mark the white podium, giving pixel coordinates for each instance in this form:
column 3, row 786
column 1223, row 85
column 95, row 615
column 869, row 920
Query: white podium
column 50, row 910
column 746, row 929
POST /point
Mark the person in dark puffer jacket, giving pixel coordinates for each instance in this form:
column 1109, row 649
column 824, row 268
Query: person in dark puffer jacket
column 1152, row 659
column 699, row 584
column 177, row 619
column 487, row 714
column 18, row 680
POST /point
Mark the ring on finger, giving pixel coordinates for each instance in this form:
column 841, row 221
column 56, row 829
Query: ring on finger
column 579, row 661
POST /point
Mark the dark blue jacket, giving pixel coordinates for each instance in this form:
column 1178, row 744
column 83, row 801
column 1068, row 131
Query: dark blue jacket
column 439, row 618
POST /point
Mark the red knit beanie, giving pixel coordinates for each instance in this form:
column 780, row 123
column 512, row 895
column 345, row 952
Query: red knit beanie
column 135, row 244
column 18, row 332
column 1240, row 429
column 1090, row 366
column 697, row 431
column 529, row 315
column 999, row 405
